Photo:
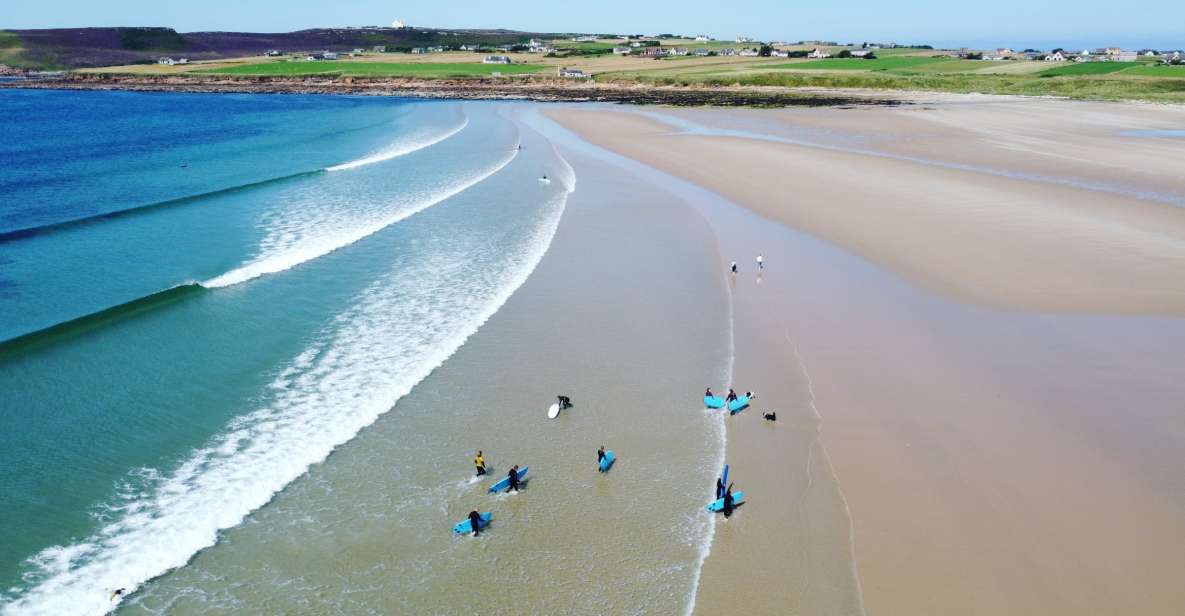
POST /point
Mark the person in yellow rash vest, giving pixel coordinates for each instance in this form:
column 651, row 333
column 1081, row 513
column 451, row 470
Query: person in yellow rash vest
column 480, row 463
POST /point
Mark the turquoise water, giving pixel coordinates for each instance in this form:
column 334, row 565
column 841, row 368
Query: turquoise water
column 204, row 297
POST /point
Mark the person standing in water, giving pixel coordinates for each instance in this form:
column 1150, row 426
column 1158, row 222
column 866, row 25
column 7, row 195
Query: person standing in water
column 760, row 262
column 512, row 476
column 728, row 501
column 733, row 268
column 732, row 395
column 475, row 522
column 565, row 402
column 480, row 463
column 600, row 454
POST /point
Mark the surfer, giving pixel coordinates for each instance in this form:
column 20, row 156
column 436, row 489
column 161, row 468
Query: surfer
column 751, row 396
column 771, row 416
column 565, row 402
column 727, row 501
column 512, row 477
column 708, row 393
column 732, row 395
column 480, row 463
column 117, row 593
column 733, row 268
column 475, row 522
column 719, row 487
column 600, row 454
column 760, row 262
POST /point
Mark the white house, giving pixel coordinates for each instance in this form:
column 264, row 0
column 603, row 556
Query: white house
column 419, row 50
column 749, row 53
column 702, row 37
column 728, row 52
column 398, row 25
column 1113, row 51
column 496, row 60
column 469, row 47
column 274, row 52
column 1124, row 56
column 860, row 53
column 166, row 61
column 702, row 51
column 744, row 39
column 359, row 50
column 779, row 53
column 329, row 55
column 678, row 51
column 183, row 61
column 819, row 52
column 379, row 49
column 572, row 73
column 621, row 51
column 435, row 49
column 1056, row 56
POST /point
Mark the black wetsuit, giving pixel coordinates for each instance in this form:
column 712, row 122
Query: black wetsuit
column 475, row 522
column 513, row 477
column 565, row 402
column 727, row 503
column 719, row 488
column 600, row 455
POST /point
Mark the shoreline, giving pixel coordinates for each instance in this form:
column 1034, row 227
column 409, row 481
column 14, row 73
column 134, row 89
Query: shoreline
column 535, row 90
column 985, row 435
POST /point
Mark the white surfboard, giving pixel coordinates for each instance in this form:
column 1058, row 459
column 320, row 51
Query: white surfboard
column 553, row 411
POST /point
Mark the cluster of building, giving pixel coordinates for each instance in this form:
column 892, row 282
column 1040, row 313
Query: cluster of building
column 171, row 61
column 1101, row 54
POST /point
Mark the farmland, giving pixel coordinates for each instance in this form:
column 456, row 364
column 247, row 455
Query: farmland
column 422, row 70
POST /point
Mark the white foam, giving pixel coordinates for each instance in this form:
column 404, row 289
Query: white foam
column 405, row 146
column 302, row 238
column 402, row 327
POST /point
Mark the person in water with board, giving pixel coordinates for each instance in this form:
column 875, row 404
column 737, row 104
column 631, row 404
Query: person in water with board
column 760, row 262
column 733, row 268
column 475, row 522
column 565, row 402
column 480, row 463
column 708, row 393
column 600, row 454
column 719, row 487
column 512, row 477
column 732, row 395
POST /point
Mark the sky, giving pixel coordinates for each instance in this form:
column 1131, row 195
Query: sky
column 945, row 23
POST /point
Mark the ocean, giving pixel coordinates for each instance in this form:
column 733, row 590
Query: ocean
column 251, row 343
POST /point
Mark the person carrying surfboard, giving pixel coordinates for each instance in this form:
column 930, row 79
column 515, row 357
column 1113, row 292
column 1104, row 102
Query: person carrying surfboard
column 727, row 509
column 475, row 522
column 600, row 454
column 708, row 393
column 732, row 395
column 512, row 478
column 565, row 402
column 719, row 487
column 480, row 463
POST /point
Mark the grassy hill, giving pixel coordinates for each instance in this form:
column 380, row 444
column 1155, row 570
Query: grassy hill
column 64, row 48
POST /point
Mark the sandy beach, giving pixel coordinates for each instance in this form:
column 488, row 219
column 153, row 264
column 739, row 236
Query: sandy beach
column 968, row 326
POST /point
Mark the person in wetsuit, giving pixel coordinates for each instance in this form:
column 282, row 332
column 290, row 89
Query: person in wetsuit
column 475, row 522
column 732, row 395
column 728, row 501
column 719, row 487
column 565, row 402
column 600, row 454
column 480, row 463
column 512, row 476
column 708, row 393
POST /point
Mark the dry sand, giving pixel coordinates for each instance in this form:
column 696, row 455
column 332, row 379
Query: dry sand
column 994, row 360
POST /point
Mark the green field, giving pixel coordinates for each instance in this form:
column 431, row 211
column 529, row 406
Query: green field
column 860, row 64
column 1087, row 68
column 422, row 70
column 1157, row 70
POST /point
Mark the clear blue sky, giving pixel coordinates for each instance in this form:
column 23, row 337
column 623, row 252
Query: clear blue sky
column 1027, row 23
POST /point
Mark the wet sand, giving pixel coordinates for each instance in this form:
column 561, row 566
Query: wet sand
column 993, row 358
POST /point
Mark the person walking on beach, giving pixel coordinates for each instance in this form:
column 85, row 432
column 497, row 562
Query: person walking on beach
column 719, row 487
column 733, row 268
column 732, row 395
column 480, row 463
column 475, row 522
column 512, row 476
column 728, row 501
column 760, row 262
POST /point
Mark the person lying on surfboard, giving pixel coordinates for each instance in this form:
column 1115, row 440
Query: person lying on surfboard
column 480, row 463
column 475, row 522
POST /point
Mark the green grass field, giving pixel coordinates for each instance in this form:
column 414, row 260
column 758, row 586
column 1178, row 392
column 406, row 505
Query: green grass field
column 1087, row 68
column 421, row 70
column 1157, row 70
column 860, row 64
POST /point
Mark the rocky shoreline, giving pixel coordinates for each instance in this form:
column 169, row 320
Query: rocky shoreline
column 474, row 89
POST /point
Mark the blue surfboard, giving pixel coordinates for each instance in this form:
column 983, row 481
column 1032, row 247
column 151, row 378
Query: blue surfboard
column 607, row 461
column 465, row 526
column 713, row 402
column 724, row 476
column 718, row 504
column 738, row 405
column 505, row 483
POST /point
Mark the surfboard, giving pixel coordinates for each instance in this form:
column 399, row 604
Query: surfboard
column 718, row 504
column 713, row 402
column 738, row 405
column 607, row 461
column 465, row 526
column 505, row 483
column 553, row 411
column 724, row 476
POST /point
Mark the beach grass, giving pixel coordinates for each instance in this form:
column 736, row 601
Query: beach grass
column 420, row 70
column 1087, row 68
